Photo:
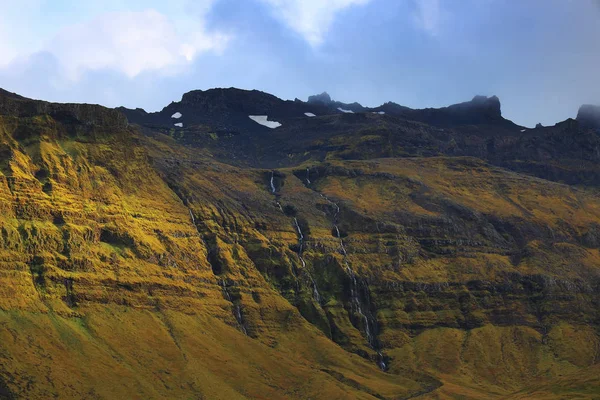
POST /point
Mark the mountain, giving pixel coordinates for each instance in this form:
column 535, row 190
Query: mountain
column 218, row 120
column 416, row 253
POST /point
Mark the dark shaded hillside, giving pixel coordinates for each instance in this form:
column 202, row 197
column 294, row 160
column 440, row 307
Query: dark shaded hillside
column 217, row 121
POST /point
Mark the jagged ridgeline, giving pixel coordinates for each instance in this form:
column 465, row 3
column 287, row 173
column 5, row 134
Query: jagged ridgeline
column 316, row 250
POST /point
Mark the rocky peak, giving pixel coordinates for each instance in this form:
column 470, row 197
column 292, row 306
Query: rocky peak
column 589, row 116
column 230, row 99
column 323, row 98
column 489, row 106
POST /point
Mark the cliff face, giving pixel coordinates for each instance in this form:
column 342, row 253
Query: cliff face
column 140, row 261
column 73, row 114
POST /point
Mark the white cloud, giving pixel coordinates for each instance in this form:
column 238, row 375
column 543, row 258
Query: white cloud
column 427, row 15
column 130, row 42
column 310, row 18
column 7, row 52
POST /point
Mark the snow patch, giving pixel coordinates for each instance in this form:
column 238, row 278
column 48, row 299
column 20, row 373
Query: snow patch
column 379, row 112
column 262, row 119
column 310, row 114
column 523, row 130
column 177, row 115
column 345, row 111
column 179, row 124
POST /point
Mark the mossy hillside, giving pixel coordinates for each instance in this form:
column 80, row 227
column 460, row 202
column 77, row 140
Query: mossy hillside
column 140, row 245
column 150, row 354
column 108, row 266
column 390, row 211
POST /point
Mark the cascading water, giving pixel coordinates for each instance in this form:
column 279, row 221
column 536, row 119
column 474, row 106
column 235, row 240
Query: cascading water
column 381, row 361
column 226, row 292
column 316, row 294
column 273, row 189
column 360, row 300
column 299, row 231
column 237, row 312
column 307, row 176
column 342, row 247
column 237, row 308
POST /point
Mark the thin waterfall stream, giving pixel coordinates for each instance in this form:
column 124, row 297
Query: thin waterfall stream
column 273, row 189
column 360, row 299
column 236, row 310
column 316, row 294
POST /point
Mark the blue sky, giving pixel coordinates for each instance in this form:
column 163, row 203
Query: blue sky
column 541, row 57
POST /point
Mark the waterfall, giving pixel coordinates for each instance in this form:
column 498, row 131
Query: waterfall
column 343, row 248
column 380, row 361
column 360, row 299
column 307, row 176
column 298, row 229
column 316, row 294
column 339, row 236
column 237, row 311
column 356, row 304
column 192, row 216
column 273, row 190
column 226, row 291
column 237, row 308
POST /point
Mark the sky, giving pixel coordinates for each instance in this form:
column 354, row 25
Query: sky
column 540, row 57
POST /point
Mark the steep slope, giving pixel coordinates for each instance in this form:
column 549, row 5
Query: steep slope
column 105, row 275
column 138, row 259
column 393, row 256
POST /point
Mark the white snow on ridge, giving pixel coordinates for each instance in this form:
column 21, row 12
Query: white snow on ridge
column 379, row 112
column 345, row 111
column 262, row 119
column 177, row 115
column 179, row 124
column 310, row 114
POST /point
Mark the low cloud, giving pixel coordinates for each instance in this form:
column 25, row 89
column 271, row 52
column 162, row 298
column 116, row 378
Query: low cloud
column 427, row 16
column 7, row 52
column 310, row 18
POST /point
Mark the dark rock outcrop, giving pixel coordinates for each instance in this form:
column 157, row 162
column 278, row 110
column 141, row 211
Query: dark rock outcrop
column 322, row 98
column 589, row 116
column 87, row 114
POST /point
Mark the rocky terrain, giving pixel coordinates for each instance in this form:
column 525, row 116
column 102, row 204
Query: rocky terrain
column 381, row 253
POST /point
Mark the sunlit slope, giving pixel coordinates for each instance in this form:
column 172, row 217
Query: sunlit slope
column 107, row 291
column 473, row 273
column 133, row 267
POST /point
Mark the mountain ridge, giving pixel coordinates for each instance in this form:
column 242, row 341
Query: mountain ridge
column 473, row 128
column 254, row 102
column 347, row 255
